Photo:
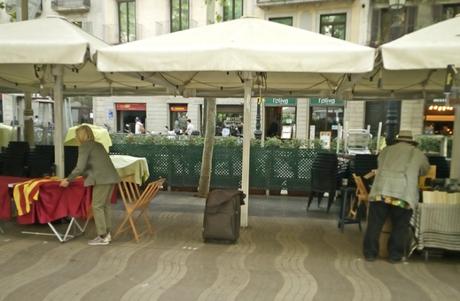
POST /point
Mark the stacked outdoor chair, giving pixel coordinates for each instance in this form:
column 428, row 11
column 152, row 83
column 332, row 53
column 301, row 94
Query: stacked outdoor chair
column 41, row 161
column 442, row 166
column 70, row 158
column 323, row 178
column 15, row 159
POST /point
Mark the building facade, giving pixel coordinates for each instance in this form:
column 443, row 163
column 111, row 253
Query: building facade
column 365, row 22
column 283, row 117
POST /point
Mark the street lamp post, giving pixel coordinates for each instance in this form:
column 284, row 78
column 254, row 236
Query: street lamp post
column 396, row 30
column 258, row 131
column 392, row 121
column 259, row 82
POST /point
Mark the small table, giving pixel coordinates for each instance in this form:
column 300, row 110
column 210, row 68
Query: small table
column 131, row 166
column 55, row 202
column 347, row 195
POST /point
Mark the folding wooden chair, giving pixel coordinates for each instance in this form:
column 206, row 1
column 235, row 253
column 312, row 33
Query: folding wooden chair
column 136, row 206
column 362, row 196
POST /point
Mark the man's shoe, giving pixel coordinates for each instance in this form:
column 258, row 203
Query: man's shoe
column 370, row 258
column 99, row 241
column 394, row 260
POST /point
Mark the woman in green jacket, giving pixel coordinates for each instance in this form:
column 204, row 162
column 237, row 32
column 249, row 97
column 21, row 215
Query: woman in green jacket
column 97, row 169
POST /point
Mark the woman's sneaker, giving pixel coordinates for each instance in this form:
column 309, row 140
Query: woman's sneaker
column 100, row 241
column 108, row 237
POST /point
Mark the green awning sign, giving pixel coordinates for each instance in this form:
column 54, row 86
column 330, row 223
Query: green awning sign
column 280, row 102
column 325, row 101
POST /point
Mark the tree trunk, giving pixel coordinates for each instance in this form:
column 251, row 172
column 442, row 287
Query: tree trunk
column 209, row 125
column 206, row 159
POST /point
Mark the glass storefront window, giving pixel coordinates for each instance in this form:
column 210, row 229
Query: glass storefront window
column 178, row 117
column 326, row 119
column 280, row 121
column 439, row 119
column 288, row 122
column 229, row 120
column 126, row 116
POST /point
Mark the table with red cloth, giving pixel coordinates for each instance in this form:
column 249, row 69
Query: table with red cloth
column 53, row 203
column 5, row 198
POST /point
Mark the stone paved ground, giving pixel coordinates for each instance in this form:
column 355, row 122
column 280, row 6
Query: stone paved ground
column 282, row 255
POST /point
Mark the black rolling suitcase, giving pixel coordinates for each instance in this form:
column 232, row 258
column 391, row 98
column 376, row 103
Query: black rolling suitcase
column 221, row 221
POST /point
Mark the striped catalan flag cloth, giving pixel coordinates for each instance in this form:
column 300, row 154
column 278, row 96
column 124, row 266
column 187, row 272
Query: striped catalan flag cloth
column 26, row 192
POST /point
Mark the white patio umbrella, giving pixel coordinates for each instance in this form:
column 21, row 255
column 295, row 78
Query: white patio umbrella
column 229, row 58
column 425, row 54
column 53, row 56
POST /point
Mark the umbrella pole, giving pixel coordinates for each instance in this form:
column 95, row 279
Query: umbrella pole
column 455, row 160
column 58, row 72
column 247, row 77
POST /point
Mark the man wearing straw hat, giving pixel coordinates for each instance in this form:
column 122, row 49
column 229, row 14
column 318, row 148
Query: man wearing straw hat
column 394, row 193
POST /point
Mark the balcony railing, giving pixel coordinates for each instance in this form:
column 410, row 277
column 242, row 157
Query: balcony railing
column 265, row 3
column 71, row 6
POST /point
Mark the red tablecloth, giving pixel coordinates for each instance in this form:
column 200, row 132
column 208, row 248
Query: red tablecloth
column 5, row 200
column 54, row 202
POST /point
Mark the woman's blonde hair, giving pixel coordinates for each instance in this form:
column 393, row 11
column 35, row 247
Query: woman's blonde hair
column 84, row 133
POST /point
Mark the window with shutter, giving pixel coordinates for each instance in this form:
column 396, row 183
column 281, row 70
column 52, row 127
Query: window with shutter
column 126, row 20
column 180, row 11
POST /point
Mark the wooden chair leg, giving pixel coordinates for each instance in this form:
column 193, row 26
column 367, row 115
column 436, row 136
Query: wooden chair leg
column 352, row 211
column 120, row 228
column 148, row 225
column 133, row 228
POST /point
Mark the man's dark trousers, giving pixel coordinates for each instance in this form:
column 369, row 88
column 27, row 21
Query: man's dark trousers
column 400, row 218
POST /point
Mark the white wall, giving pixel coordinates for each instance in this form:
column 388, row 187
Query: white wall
column 412, row 112
column 354, row 114
column 303, row 118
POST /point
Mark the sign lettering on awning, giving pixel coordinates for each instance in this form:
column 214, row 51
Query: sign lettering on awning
column 280, row 102
column 178, row 108
column 130, row 106
column 325, row 101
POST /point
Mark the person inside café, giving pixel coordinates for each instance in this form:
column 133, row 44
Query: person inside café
column 139, row 127
column 97, row 169
column 190, row 127
column 394, row 193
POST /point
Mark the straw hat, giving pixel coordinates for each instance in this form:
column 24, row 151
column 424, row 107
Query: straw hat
column 405, row 136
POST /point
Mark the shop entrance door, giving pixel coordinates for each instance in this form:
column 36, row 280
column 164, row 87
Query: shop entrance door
column 273, row 121
column 126, row 116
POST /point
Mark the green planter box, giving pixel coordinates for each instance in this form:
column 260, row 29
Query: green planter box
column 271, row 168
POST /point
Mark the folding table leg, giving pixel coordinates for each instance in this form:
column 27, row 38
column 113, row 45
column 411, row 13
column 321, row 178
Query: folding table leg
column 63, row 237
